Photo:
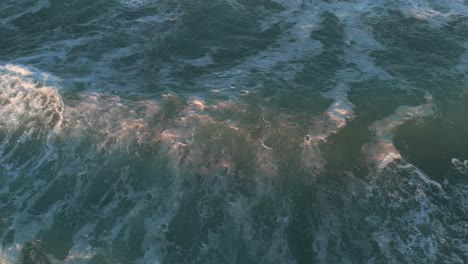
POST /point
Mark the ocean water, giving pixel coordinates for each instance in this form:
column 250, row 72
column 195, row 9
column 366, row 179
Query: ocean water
column 233, row 131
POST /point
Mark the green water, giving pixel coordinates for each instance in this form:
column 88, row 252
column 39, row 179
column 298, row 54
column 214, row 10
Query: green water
column 225, row 131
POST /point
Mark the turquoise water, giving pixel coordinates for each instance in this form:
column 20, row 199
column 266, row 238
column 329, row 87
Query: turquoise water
column 224, row 131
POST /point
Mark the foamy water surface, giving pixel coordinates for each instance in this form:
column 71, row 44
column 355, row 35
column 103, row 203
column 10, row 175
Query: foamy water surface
column 227, row 131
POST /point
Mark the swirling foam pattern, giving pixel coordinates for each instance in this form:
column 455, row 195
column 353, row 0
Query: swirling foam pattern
column 233, row 131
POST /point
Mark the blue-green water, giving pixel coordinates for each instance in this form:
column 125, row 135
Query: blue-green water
column 224, row 131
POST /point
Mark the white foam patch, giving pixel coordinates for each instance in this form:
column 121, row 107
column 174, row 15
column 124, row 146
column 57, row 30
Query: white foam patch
column 188, row 156
column 82, row 251
column 383, row 152
column 137, row 3
column 359, row 36
column 360, row 43
column 294, row 45
column 25, row 230
column 33, row 110
column 336, row 118
column 340, row 111
column 461, row 166
column 159, row 18
column 427, row 14
column 436, row 13
column 6, row 257
column 273, row 245
column 157, row 225
column 91, row 126
column 118, row 123
column 422, row 225
column 31, row 106
column 202, row 61
column 421, row 175
column 104, row 70
column 57, row 49
column 285, row 58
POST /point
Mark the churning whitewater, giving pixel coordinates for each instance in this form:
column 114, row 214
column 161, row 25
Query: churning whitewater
column 233, row 131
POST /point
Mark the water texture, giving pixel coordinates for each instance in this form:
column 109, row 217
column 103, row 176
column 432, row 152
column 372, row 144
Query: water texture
column 224, row 131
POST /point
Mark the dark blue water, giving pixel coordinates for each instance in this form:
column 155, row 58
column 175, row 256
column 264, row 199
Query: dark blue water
column 224, row 131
